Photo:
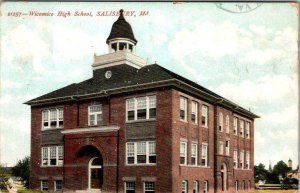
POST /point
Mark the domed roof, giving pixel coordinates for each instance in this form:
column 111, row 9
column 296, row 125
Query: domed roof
column 121, row 29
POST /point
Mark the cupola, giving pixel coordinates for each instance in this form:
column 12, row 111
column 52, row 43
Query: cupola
column 121, row 45
column 121, row 36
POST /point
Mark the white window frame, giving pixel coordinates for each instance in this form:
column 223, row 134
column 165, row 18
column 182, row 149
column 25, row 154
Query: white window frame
column 194, row 153
column 221, row 148
column 125, row 185
column 242, row 128
column 148, row 154
column 59, row 116
column 204, row 154
column 221, row 122
column 227, row 147
column 59, row 162
column 205, row 186
column 184, row 153
column 96, row 114
column 235, row 126
column 195, row 106
column 149, row 190
column 135, row 108
column 42, row 185
column 204, row 114
column 242, row 159
column 183, row 107
column 55, row 185
column 184, row 186
column 227, row 124
column 235, row 159
column 195, row 186
column 247, row 160
column 248, row 130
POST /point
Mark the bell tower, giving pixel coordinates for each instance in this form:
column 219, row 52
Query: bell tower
column 121, row 47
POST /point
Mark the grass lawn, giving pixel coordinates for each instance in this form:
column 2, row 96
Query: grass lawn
column 29, row 191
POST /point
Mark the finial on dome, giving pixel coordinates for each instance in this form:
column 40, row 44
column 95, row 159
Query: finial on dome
column 121, row 12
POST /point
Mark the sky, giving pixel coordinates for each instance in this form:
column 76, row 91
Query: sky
column 244, row 52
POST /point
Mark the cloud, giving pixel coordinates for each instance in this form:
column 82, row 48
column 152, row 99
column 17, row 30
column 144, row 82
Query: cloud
column 8, row 84
column 264, row 90
column 253, row 44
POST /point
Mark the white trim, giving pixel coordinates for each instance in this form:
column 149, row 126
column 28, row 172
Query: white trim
column 147, row 153
column 101, row 129
column 96, row 114
column 196, row 153
column 185, row 153
column 89, row 174
column 206, row 154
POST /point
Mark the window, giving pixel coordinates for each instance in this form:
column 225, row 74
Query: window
column 183, row 108
column 44, row 185
column 194, row 115
column 130, row 153
column 242, row 124
column 242, row 159
column 58, row 185
column 183, row 152
column 152, row 153
column 141, row 108
column 236, row 185
column 184, row 186
column 235, row 158
column 141, row 152
column 221, row 122
column 149, row 187
column 53, row 118
column 205, row 186
column 129, row 187
column 221, row 149
column 95, row 115
column 248, row 130
column 235, row 125
column 194, row 153
column 195, row 187
column 247, row 160
column 52, row 156
column 204, row 155
column 227, row 124
column 227, row 147
column 204, row 118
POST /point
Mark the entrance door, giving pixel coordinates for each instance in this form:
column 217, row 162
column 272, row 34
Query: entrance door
column 95, row 173
column 224, row 177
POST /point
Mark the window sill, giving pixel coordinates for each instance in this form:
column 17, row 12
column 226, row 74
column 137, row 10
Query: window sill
column 154, row 164
column 194, row 166
column 51, row 166
column 141, row 120
column 242, row 169
column 50, row 129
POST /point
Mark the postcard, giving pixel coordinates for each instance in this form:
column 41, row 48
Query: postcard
column 162, row 97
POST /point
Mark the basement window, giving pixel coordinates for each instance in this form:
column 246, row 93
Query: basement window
column 129, row 187
column 149, row 187
column 44, row 185
column 58, row 185
column 184, row 186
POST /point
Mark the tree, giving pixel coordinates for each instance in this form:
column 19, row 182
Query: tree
column 260, row 172
column 21, row 169
column 3, row 178
column 281, row 169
